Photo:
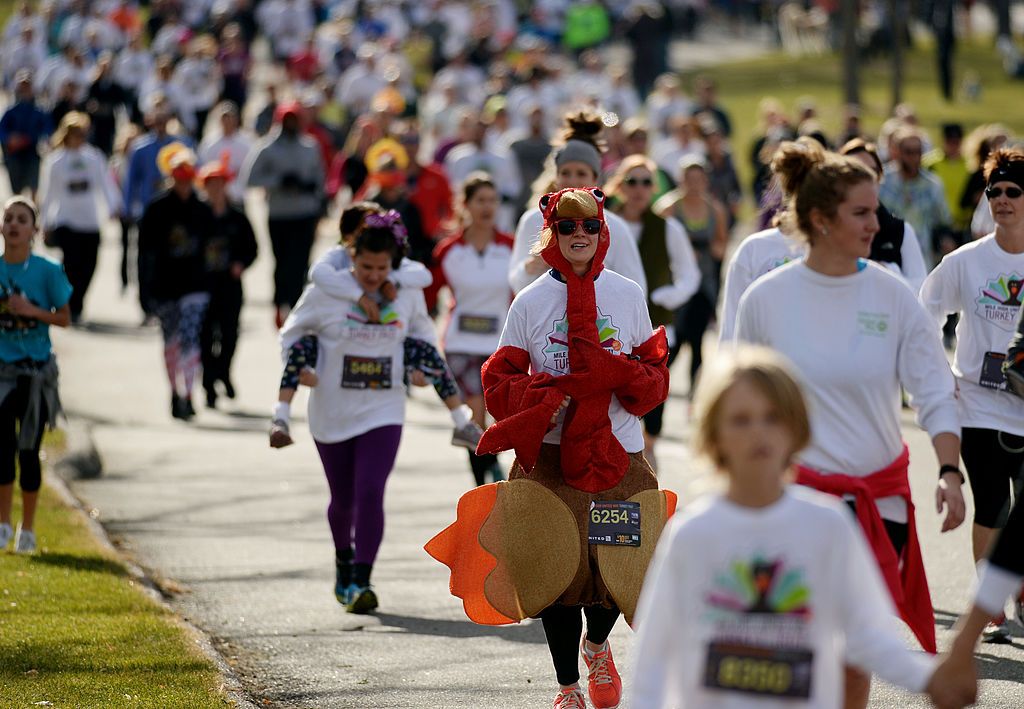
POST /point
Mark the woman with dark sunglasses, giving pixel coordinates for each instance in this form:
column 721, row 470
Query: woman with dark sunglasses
column 577, row 364
column 669, row 263
column 982, row 283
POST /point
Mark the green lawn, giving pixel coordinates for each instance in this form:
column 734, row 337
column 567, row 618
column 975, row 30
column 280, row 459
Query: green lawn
column 76, row 631
column 743, row 85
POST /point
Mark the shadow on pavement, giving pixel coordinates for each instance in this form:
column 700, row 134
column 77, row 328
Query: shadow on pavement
column 116, row 329
column 95, row 564
column 993, row 667
column 519, row 633
column 945, row 619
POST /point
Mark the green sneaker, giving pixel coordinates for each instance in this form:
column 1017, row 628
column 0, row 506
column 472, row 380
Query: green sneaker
column 362, row 600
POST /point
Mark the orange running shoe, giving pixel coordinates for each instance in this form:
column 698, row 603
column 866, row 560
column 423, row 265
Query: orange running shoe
column 570, row 699
column 603, row 682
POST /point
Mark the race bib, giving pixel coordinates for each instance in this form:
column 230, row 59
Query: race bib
column 478, row 325
column 366, row 373
column 614, row 523
column 992, row 371
column 764, row 671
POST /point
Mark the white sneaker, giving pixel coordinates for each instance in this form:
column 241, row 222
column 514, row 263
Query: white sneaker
column 468, row 436
column 25, row 541
column 6, row 534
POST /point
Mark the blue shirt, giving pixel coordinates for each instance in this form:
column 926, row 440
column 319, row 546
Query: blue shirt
column 143, row 180
column 27, row 119
column 43, row 282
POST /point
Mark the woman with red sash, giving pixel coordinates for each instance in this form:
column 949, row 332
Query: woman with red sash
column 572, row 531
column 857, row 334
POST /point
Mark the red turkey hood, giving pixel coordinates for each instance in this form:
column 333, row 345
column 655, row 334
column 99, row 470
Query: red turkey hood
column 552, row 255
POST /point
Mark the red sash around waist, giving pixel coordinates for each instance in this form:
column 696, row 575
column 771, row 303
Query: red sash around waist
column 904, row 575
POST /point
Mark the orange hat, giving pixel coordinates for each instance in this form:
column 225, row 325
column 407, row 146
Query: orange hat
column 213, row 170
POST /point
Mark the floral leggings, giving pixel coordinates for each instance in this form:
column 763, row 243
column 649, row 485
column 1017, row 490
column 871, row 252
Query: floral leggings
column 181, row 322
column 418, row 355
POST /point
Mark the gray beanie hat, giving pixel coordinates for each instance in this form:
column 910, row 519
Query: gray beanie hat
column 579, row 151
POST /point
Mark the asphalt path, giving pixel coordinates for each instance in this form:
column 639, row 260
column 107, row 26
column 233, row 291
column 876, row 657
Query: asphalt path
column 236, row 534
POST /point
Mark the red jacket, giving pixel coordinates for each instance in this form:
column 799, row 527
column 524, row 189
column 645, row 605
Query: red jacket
column 906, row 581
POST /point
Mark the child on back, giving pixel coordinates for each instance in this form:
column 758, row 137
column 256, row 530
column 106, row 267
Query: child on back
column 423, row 362
column 760, row 595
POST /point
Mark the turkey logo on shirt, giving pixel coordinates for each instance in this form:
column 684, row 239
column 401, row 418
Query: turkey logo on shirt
column 556, row 345
column 1000, row 299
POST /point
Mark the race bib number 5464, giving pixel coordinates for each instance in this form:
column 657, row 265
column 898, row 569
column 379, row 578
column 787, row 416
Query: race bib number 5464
column 366, row 373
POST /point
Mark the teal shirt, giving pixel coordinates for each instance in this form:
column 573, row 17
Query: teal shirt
column 43, row 282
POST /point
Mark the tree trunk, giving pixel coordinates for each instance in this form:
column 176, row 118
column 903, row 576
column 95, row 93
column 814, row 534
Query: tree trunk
column 851, row 77
column 899, row 31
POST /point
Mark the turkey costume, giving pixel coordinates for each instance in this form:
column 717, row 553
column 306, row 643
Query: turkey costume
column 520, row 546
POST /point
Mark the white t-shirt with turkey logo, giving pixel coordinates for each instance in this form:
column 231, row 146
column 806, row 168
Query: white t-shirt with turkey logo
column 983, row 283
column 537, row 323
column 360, row 365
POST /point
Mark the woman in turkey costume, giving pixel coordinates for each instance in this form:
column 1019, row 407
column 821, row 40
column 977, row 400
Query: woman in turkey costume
column 572, row 531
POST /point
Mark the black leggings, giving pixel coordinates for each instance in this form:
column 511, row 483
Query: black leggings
column 692, row 322
column 81, row 249
column 563, row 626
column 11, row 410
column 480, row 464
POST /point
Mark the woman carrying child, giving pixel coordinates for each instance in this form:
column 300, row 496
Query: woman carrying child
column 356, row 422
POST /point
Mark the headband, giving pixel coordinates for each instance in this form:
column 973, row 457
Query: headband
column 389, row 220
column 1012, row 171
column 579, row 151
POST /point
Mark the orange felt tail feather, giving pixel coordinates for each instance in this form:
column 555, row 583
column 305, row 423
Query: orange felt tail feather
column 458, row 548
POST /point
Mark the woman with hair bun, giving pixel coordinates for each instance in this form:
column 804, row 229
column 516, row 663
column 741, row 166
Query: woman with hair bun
column 857, row 334
column 575, row 162
column 578, row 362
column 981, row 282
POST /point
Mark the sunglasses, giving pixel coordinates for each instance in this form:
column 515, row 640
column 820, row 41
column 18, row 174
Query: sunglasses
column 567, row 227
column 634, row 181
column 1011, row 192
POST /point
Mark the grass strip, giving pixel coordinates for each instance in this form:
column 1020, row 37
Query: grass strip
column 77, row 631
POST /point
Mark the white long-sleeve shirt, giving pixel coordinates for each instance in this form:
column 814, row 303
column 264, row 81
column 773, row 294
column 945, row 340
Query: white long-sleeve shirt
column 764, row 251
column 480, row 293
column 351, row 350
column 623, row 256
column 823, row 601
column 537, row 324
column 681, row 262
column 331, row 274
column 72, row 186
column 758, row 254
column 854, row 340
column 982, row 283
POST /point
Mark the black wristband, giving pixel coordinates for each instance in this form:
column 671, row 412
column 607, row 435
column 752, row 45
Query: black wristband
column 952, row 469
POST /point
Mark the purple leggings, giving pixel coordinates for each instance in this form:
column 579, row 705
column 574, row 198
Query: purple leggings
column 357, row 471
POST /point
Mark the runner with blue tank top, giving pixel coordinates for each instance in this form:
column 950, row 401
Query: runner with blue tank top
column 34, row 294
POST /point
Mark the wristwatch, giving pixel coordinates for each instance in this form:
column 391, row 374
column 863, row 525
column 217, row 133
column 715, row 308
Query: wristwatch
column 952, row 469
